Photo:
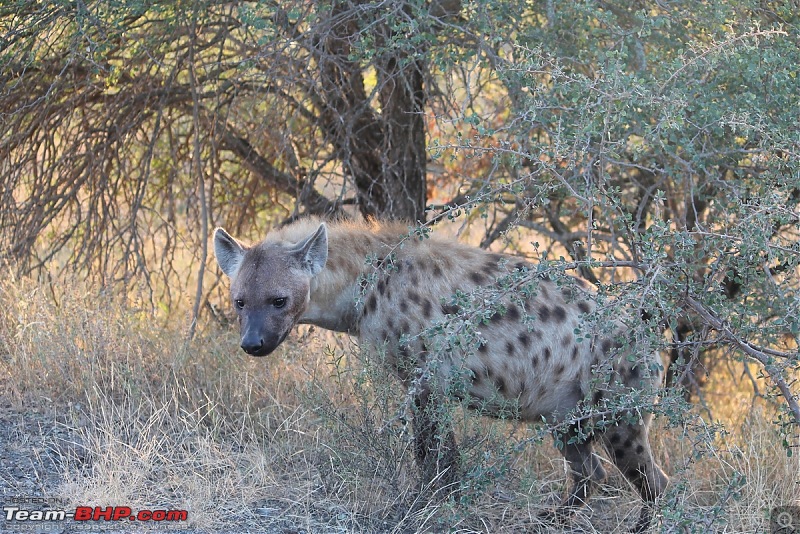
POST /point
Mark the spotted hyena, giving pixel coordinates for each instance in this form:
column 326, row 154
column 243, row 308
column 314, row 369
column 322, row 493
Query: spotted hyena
column 454, row 320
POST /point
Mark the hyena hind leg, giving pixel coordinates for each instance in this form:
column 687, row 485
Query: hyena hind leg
column 586, row 471
column 630, row 450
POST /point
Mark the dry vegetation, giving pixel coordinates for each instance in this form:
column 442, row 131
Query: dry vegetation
column 119, row 411
column 651, row 148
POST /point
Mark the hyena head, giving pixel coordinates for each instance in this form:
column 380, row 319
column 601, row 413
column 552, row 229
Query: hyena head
column 270, row 284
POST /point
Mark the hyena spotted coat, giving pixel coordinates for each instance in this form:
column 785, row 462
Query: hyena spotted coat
column 525, row 352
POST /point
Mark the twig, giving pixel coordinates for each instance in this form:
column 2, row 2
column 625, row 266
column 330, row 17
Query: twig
column 763, row 356
column 198, row 168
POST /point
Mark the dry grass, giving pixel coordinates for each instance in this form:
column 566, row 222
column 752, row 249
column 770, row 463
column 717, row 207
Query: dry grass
column 310, row 439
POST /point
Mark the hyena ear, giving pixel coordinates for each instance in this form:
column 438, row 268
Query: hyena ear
column 228, row 251
column 313, row 251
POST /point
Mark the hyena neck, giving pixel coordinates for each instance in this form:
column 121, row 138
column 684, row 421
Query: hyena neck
column 335, row 291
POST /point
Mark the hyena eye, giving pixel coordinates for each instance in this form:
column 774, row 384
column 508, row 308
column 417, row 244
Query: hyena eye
column 239, row 303
column 279, row 302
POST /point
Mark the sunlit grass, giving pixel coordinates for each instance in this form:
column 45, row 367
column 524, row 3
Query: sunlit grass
column 310, row 438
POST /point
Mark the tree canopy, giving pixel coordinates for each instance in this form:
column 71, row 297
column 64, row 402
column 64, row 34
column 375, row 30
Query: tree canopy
column 654, row 144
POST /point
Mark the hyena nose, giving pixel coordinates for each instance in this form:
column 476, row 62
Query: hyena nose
column 251, row 345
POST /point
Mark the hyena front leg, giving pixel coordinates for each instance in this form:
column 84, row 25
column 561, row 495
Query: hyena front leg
column 435, row 445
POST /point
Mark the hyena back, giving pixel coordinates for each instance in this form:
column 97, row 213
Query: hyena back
column 523, row 352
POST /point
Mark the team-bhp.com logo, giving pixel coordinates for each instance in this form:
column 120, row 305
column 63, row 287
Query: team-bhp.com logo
column 89, row 513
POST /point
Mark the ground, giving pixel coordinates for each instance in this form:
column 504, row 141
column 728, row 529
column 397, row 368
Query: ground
column 43, row 454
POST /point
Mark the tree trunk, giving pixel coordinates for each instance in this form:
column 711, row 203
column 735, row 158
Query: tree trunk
column 383, row 153
column 402, row 101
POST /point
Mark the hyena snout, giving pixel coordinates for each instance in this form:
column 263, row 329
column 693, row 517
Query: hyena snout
column 257, row 343
column 252, row 344
column 259, row 336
